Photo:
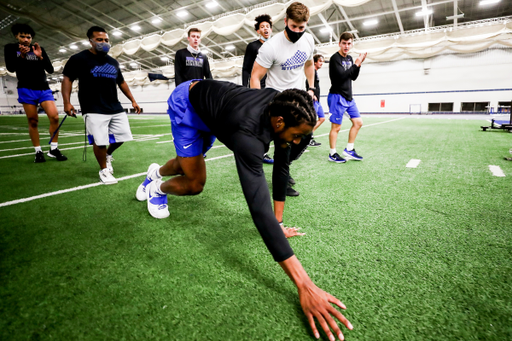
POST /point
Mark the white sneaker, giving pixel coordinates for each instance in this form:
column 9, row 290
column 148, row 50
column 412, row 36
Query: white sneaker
column 157, row 203
column 141, row 190
column 110, row 158
column 106, row 177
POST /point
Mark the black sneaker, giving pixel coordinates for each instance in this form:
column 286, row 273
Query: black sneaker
column 291, row 181
column 336, row 158
column 267, row 159
column 290, row 192
column 39, row 157
column 313, row 143
column 56, row 154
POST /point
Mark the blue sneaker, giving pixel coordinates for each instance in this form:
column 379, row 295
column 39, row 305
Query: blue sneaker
column 141, row 190
column 267, row 159
column 157, row 203
column 336, row 158
column 352, row 155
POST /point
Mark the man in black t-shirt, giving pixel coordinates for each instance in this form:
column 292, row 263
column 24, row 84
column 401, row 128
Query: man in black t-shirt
column 98, row 76
column 263, row 27
column 30, row 63
column 246, row 121
column 342, row 71
column 319, row 62
column 190, row 63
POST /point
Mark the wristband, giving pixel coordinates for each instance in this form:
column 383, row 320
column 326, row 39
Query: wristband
column 312, row 89
column 281, row 224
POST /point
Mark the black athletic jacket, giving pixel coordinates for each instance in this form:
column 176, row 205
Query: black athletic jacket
column 235, row 115
column 30, row 71
column 251, row 52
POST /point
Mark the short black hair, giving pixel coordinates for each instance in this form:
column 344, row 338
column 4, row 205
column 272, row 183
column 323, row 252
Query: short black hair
column 295, row 106
column 94, row 29
column 262, row 18
column 22, row 28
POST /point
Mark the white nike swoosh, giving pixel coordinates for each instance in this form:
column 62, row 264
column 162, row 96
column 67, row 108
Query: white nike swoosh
column 185, row 147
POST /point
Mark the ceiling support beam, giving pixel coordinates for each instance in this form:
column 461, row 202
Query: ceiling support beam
column 347, row 20
column 399, row 21
column 455, row 13
column 425, row 17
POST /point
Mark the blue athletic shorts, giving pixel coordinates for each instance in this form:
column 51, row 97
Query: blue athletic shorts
column 34, row 97
column 338, row 105
column 318, row 108
column 191, row 136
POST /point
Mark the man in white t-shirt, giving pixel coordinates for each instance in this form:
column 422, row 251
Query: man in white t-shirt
column 285, row 59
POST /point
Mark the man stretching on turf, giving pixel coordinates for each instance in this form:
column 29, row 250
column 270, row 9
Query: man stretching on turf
column 30, row 62
column 342, row 71
column 246, row 121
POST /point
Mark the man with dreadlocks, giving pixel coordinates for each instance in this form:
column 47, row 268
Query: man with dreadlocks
column 246, row 121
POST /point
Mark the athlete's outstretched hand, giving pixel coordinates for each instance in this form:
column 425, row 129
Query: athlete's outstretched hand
column 316, row 303
column 38, row 51
column 291, row 231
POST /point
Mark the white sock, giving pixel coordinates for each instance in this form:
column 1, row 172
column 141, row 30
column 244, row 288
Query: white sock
column 332, row 151
column 158, row 175
column 38, row 149
column 158, row 184
column 350, row 146
column 54, row 145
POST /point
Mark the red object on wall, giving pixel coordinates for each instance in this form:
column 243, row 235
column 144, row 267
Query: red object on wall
column 382, row 103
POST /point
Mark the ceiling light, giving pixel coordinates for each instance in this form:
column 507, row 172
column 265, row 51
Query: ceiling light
column 135, row 28
column 85, row 42
column 371, row 22
column 164, row 59
column 230, row 47
column 205, row 51
column 117, row 33
column 121, row 66
column 2, row 69
column 424, row 13
column 73, row 47
column 326, row 29
column 156, row 21
column 62, row 50
column 488, row 2
column 212, row 4
column 133, row 64
column 182, row 13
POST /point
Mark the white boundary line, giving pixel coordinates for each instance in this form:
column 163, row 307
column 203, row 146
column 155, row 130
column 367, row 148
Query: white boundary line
column 496, row 171
column 19, row 201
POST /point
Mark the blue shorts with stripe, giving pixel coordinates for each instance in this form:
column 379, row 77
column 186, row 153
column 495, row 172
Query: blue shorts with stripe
column 338, row 105
column 191, row 136
column 318, row 108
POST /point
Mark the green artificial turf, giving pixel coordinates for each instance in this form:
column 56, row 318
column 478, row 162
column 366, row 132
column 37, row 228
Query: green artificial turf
column 414, row 253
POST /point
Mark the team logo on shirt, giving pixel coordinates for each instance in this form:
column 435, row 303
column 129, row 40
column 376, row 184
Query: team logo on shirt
column 28, row 56
column 191, row 61
column 105, row 71
column 298, row 60
column 346, row 64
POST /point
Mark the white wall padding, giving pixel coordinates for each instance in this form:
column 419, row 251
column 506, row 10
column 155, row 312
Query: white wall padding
column 150, row 43
column 229, row 24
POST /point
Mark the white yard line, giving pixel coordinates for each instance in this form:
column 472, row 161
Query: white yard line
column 31, row 147
column 366, row 125
column 496, row 171
column 413, row 163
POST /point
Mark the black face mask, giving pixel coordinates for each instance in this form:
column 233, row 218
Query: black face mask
column 294, row 36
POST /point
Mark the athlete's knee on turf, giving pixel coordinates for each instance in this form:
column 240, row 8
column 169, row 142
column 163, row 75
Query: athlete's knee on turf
column 196, row 187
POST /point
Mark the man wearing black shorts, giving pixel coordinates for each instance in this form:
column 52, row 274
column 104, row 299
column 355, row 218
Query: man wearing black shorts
column 30, row 63
column 98, row 76
column 246, row 121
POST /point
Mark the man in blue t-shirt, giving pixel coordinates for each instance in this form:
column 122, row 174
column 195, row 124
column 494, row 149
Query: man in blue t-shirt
column 105, row 120
column 342, row 71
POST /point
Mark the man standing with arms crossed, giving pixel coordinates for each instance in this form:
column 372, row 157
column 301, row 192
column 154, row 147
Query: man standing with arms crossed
column 30, row 63
column 98, row 76
column 319, row 61
column 342, row 71
column 190, row 63
column 263, row 27
column 284, row 59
